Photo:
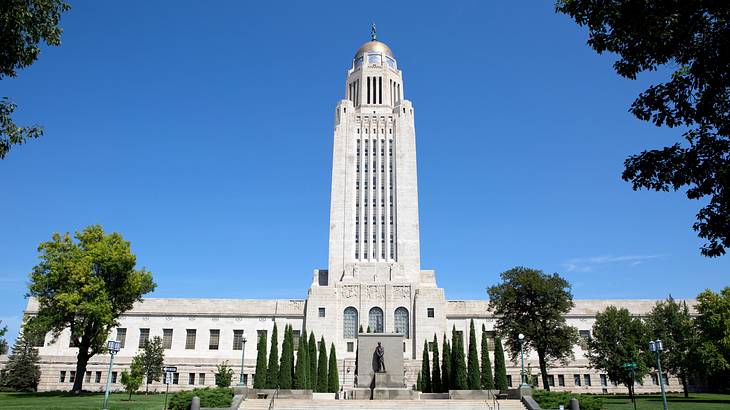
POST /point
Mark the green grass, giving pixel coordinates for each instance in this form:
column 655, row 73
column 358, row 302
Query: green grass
column 696, row 401
column 62, row 400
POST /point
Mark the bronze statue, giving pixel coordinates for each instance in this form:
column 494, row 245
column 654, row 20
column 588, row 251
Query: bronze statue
column 380, row 355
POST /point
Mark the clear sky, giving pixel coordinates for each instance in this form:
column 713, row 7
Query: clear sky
column 203, row 133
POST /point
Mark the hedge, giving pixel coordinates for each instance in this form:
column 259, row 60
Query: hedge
column 209, row 397
column 553, row 400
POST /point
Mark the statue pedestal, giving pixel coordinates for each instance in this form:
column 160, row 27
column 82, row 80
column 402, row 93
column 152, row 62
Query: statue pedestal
column 386, row 380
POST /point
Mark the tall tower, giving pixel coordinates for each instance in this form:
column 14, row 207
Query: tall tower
column 374, row 278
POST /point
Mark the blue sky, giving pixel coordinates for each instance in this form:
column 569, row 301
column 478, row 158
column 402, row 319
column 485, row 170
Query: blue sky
column 203, row 134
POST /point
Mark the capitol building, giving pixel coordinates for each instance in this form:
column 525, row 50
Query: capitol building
column 373, row 278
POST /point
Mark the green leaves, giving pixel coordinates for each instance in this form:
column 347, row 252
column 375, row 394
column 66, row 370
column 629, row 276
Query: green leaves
column 713, row 323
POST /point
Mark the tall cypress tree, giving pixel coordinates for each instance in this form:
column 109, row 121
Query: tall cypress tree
column 500, row 369
column 322, row 381
column 473, row 379
column 487, row 379
column 426, row 370
column 458, row 364
column 445, row 367
column 419, row 382
column 436, row 371
column 272, row 370
column 302, row 367
column 259, row 381
column 312, row 356
column 286, row 369
column 333, row 381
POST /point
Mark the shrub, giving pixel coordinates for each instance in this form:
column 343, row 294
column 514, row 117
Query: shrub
column 209, row 397
column 223, row 375
column 553, row 400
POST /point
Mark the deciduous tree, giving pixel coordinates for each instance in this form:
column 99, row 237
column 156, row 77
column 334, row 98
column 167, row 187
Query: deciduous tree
column 713, row 323
column 3, row 342
column 152, row 359
column 85, row 285
column 687, row 42
column 534, row 304
column 132, row 378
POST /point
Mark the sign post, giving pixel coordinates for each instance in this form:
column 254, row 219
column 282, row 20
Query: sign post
column 169, row 371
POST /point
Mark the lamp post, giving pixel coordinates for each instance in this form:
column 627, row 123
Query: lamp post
column 114, row 347
column 243, row 355
column 656, row 346
column 523, row 383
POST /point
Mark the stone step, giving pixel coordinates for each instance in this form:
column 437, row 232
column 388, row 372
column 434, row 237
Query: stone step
column 290, row 404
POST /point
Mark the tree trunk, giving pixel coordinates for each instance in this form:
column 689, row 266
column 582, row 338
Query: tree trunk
column 543, row 369
column 81, row 360
column 685, row 385
column 146, row 384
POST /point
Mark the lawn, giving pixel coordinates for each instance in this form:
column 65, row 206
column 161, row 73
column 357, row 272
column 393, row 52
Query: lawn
column 696, row 401
column 91, row 401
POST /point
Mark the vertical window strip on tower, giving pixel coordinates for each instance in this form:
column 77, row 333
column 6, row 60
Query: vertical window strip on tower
column 380, row 90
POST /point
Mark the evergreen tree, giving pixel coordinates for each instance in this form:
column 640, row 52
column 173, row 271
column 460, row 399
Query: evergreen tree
column 322, row 380
column 259, row 381
column 302, row 367
column 445, row 367
column 458, row 365
column 22, row 371
column 369, row 330
column 3, row 343
column 500, row 367
column 272, row 370
column 486, row 377
column 426, row 370
column 312, row 356
column 419, row 382
column 286, row 368
column 333, row 381
column 436, row 371
column 473, row 379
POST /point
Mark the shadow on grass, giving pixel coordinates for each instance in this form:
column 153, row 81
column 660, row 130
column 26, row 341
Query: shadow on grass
column 722, row 399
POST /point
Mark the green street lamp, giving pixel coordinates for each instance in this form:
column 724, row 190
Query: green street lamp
column 656, row 346
column 114, row 347
column 243, row 355
column 523, row 382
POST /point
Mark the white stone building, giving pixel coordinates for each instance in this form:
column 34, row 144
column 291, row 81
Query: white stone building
column 374, row 277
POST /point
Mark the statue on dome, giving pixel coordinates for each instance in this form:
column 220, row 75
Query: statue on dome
column 373, row 36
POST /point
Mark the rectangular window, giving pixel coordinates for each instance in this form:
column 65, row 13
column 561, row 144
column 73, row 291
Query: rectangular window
column 215, row 335
column 490, row 340
column 191, row 378
column 576, row 379
column 97, row 377
column 587, row 379
column 245, row 379
column 654, row 379
column 321, row 312
column 72, row 376
column 201, row 378
column 144, row 336
column 665, row 377
column 62, row 376
column 509, row 380
column 551, row 380
column 121, row 336
column 430, row 312
column 561, row 380
column 175, row 378
column 237, row 339
column 167, row 338
column 350, row 346
column 87, row 379
column 114, row 377
column 604, row 381
column 190, row 339
column 295, row 338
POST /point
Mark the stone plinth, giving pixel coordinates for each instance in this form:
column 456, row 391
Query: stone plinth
column 388, row 393
column 472, row 394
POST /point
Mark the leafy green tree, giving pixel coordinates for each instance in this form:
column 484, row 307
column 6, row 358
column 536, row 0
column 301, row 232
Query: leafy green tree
column 333, row 381
column 312, row 354
column 272, row 369
column 21, row 372
column 426, row 370
column 24, row 24
column 286, row 363
column 487, row 381
column 322, row 379
column 3, row 342
column 500, row 366
column 152, row 359
column 445, row 367
column 671, row 322
column 473, row 379
column 85, row 286
column 713, row 323
column 618, row 338
column 302, row 367
column 688, row 39
column 223, row 374
column 458, row 365
column 259, row 381
column 535, row 304
column 436, row 385
column 132, row 379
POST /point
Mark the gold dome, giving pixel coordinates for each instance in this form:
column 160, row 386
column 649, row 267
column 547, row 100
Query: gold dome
column 374, row 46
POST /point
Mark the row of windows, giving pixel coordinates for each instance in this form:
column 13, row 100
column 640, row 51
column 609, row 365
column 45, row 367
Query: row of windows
column 98, row 375
column 190, row 338
column 375, row 321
